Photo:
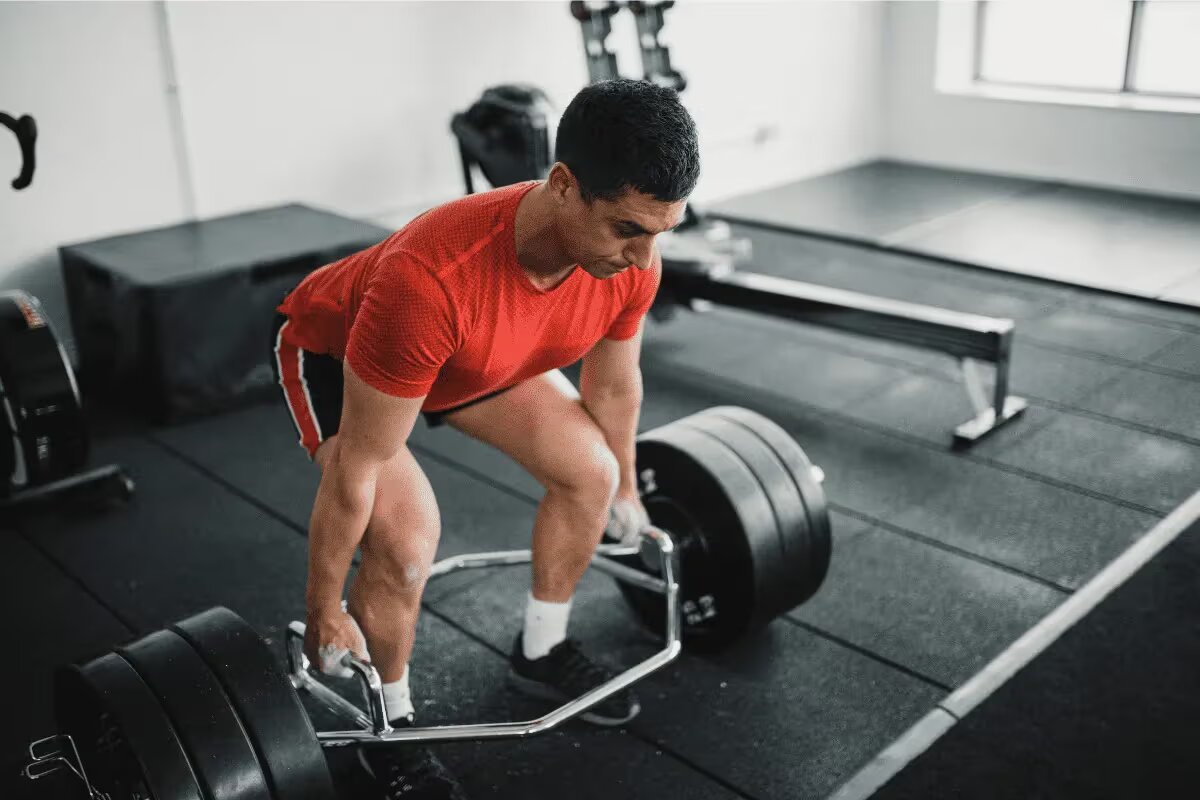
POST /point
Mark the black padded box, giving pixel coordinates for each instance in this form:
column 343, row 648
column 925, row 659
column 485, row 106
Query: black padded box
column 174, row 322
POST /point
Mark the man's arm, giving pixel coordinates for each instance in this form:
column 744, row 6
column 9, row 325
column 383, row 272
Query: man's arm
column 610, row 386
column 374, row 430
column 383, row 359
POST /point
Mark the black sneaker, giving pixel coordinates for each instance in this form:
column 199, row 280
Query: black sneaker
column 564, row 674
column 409, row 771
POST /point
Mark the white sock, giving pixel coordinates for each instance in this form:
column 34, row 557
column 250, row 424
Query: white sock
column 397, row 698
column 545, row 626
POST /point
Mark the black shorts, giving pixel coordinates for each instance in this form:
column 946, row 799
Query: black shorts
column 312, row 389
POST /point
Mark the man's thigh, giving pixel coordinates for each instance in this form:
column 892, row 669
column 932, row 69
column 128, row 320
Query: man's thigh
column 540, row 423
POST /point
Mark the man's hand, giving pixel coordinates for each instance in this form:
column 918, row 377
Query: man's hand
column 328, row 636
column 626, row 518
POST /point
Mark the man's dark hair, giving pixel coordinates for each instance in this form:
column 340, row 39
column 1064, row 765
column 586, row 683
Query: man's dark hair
column 629, row 134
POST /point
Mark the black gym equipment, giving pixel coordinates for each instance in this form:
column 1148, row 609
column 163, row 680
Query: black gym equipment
column 595, row 20
column 216, row 741
column 272, row 714
column 143, row 306
column 731, row 487
column 656, row 58
column 25, row 129
column 199, row 709
column 44, row 440
column 700, row 258
column 507, row 134
column 196, row 711
column 120, row 736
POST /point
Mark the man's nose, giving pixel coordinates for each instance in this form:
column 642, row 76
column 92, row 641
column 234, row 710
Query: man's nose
column 640, row 254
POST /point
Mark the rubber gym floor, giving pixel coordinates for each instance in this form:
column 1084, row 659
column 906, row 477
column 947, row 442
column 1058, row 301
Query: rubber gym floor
column 942, row 558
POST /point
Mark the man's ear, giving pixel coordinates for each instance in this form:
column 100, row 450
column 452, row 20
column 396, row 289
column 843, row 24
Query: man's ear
column 561, row 182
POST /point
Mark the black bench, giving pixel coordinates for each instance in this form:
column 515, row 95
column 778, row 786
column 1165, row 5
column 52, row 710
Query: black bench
column 699, row 272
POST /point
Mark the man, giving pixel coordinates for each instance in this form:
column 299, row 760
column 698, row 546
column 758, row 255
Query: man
column 466, row 316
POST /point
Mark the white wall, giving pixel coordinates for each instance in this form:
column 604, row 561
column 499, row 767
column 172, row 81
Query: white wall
column 347, row 105
column 1145, row 151
column 779, row 91
column 91, row 76
column 360, row 123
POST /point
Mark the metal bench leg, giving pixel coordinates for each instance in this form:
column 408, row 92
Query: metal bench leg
column 1003, row 407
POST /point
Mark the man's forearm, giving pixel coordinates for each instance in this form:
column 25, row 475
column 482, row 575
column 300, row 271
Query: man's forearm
column 616, row 411
column 339, row 521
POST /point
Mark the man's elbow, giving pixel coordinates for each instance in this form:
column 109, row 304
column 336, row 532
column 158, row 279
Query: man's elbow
column 354, row 474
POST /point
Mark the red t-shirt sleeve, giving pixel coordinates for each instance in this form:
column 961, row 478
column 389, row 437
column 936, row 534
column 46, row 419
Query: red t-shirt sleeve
column 639, row 302
column 404, row 330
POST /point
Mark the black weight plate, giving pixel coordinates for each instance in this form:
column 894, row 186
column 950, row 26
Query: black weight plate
column 679, row 507
column 785, row 577
column 708, row 500
column 40, row 392
column 45, row 388
column 126, row 743
column 198, row 707
column 755, row 531
column 269, row 708
column 816, row 547
column 12, row 451
column 761, row 528
column 793, row 531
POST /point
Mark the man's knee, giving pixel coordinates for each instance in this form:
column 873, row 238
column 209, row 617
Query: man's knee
column 404, row 531
column 398, row 560
column 402, row 535
column 595, row 472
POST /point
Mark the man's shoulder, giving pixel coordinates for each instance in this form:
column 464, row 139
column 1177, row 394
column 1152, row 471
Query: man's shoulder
column 457, row 232
column 472, row 215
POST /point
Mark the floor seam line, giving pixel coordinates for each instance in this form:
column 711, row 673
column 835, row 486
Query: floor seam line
column 945, row 547
column 863, row 651
column 76, row 579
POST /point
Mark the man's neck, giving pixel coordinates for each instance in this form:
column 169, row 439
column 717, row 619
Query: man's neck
column 539, row 250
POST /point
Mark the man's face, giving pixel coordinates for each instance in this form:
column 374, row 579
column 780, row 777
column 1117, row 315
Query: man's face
column 606, row 237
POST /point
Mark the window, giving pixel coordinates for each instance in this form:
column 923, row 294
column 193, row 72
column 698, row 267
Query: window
column 1167, row 57
column 1113, row 46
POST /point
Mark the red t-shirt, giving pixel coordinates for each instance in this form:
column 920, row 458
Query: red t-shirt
column 443, row 308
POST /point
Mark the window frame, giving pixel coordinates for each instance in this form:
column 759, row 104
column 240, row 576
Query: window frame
column 1133, row 43
column 958, row 60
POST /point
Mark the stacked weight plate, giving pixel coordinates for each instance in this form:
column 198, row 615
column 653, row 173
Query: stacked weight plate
column 747, row 510
column 196, row 711
column 43, row 434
